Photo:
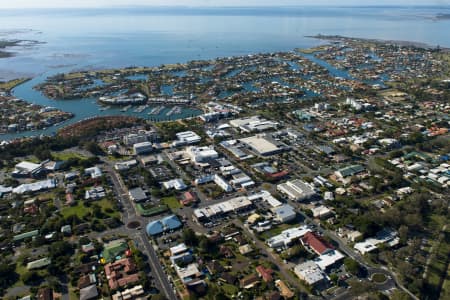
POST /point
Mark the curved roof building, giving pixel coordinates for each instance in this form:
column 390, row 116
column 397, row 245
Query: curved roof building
column 154, row 228
column 159, row 226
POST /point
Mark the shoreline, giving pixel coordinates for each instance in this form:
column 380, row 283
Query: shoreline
column 201, row 66
column 5, row 46
column 401, row 43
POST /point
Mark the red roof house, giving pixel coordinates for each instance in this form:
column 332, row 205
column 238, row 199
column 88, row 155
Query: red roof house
column 266, row 274
column 316, row 243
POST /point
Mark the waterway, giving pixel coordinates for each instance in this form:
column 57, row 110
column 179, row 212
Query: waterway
column 86, row 39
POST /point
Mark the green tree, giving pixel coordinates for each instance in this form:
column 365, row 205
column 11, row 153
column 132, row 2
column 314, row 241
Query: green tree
column 8, row 276
column 189, row 237
column 31, row 278
column 94, row 148
column 351, row 266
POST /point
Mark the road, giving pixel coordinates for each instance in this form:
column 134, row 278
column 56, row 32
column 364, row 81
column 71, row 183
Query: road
column 130, row 214
column 269, row 255
column 140, row 237
column 392, row 280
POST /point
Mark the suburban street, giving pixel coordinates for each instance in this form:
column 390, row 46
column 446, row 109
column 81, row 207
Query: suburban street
column 139, row 234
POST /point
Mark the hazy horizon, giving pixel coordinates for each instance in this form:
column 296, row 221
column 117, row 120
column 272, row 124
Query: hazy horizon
column 24, row 4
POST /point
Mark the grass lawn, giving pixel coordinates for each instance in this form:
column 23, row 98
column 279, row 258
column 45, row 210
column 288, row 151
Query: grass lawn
column 378, row 278
column 229, row 289
column 276, row 230
column 67, row 155
column 438, row 268
column 80, row 210
column 171, row 202
column 72, row 294
column 21, row 270
column 104, row 204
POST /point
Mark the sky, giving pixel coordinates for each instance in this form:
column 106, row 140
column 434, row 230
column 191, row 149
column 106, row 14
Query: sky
column 109, row 3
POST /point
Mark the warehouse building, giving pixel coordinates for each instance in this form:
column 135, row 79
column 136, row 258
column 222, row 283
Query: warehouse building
column 297, row 190
column 264, row 145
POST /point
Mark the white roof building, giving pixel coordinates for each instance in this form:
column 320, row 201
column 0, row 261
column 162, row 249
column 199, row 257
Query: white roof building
column 27, row 166
column 329, row 259
column 188, row 273
column 265, row 196
column 286, row 237
column 142, row 148
column 201, row 154
column 310, row 273
column 297, row 190
column 284, row 213
column 95, row 172
column 263, row 145
column 253, row 124
column 186, row 138
column 178, row 249
column 35, row 186
column 386, row 236
column 321, row 212
column 232, row 205
column 222, row 183
column 176, row 184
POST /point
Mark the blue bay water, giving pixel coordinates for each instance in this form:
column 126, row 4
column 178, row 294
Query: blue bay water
column 95, row 39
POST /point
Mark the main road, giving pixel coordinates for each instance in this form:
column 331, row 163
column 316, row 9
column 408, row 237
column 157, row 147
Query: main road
column 139, row 236
column 392, row 280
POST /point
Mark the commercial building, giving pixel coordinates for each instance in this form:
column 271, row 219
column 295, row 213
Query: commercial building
column 310, row 273
column 94, row 172
column 286, row 237
column 265, row 196
column 234, row 205
column 253, row 124
column 264, row 145
column 321, row 212
column 241, row 180
column 329, row 260
column 178, row 249
column 35, row 186
column 222, row 183
column 165, row 224
column 140, row 137
column 176, row 184
column 95, row 193
column 186, row 138
column 297, row 190
column 349, row 171
column 284, row 213
column 125, row 165
column 386, row 236
column 142, row 148
column 189, row 273
column 27, row 169
column 201, row 154
column 138, row 195
column 235, row 148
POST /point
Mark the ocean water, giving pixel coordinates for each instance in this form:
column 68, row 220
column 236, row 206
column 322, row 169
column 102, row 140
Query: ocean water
column 94, row 39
